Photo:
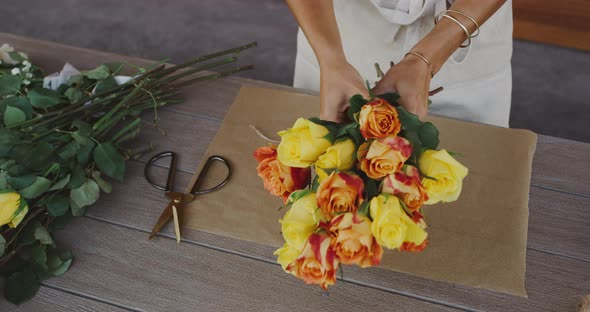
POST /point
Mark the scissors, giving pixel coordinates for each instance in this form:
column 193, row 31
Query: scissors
column 178, row 200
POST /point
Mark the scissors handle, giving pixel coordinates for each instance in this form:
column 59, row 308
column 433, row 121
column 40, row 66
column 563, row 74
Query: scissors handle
column 195, row 189
column 171, row 170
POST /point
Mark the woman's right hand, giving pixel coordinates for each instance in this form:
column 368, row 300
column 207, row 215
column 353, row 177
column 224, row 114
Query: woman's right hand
column 338, row 83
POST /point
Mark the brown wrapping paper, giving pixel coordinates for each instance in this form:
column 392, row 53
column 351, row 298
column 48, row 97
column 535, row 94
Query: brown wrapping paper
column 479, row 240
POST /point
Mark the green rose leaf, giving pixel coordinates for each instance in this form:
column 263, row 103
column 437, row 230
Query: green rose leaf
column 58, row 263
column 9, row 85
column 44, row 98
column 38, row 157
column 63, row 182
column 74, row 94
column 99, row 73
column 16, row 56
column 102, row 184
column 85, row 195
column 21, row 286
column 106, row 84
column 38, row 187
column 41, row 234
column 78, row 176
column 57, row 206
column 13, row 115
column 39, row 255
column 429, row 135
column 19, row 102
column 76, row 210
column 356, row 103
column 110, row 161
column 21, row 182
column 69, row 150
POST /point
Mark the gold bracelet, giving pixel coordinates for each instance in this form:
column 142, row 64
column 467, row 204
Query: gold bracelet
column 469, row 18
column 422, row 57
column 467, row 34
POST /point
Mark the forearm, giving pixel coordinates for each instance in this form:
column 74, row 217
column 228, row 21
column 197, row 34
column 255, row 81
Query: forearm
column 447, row 36
column 317, row 20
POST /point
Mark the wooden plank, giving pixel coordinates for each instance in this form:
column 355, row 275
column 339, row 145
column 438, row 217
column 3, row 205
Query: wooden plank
column 564, row 23
column 562, row 165
column 558, row 164
column 121, row 265
column 51, row 300
column 554, row 283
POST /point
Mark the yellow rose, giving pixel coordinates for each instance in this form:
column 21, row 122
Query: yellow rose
column 286, row 255
column 302, row 145
column 301, row 220
column 338, row 156
column 391, row 225
column 447, row 174
column 12, row 208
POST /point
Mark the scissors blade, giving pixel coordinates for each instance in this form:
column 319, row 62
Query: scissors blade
column 175, row 214
column 164, row 218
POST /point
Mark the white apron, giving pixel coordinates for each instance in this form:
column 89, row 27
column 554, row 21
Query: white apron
column 477, row 80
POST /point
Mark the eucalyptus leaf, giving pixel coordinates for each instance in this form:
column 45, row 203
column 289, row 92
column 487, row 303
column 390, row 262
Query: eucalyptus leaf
column 9, row 85
column 85, row 195
column 21, row 286
column 110, row 161
column 85, row 152
column 44, row 98
column 38, row 187
column 16, row 56
column 13, row 115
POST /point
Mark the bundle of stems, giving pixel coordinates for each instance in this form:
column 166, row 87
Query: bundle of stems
column 150, row 89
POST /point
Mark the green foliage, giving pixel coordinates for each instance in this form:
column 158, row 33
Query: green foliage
column 110, row 161
column 9, row 85
column 21, row 286
column 50, row 152
column 356, row 103
column 13, row 115
column 422, row 135
column 44, row 98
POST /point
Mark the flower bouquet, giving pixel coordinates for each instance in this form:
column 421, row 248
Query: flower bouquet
column 372, row 178
column 62, row 137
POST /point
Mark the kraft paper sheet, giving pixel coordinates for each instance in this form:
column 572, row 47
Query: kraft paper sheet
column 479, row 240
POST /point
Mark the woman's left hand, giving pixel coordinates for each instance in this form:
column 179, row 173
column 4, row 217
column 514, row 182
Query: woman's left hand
column 410, row 78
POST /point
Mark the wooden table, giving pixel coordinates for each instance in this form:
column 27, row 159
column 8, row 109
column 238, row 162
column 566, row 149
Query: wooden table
column 117, row 269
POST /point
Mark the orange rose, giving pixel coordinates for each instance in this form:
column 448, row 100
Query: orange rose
column 279, row 180
column 385, row 156
column 317, row 263
column 338, row 193
column 378, row 119
column 412, row 247
column 353, row 242
column 406, row 185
